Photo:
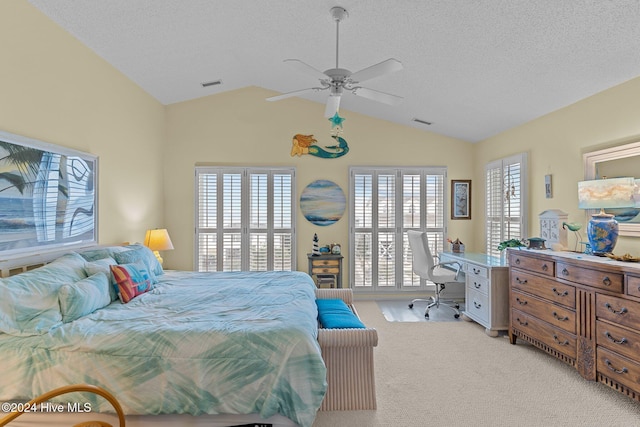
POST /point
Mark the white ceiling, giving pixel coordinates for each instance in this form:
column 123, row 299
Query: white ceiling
column 471, row 67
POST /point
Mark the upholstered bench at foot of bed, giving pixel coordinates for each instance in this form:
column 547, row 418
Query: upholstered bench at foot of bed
column 348, row 355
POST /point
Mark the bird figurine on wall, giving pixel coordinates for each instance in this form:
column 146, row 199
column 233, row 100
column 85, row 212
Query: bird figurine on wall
column 575, row 227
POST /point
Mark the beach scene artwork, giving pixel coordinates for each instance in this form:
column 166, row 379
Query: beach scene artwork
column 47, row 197
column 323, row 202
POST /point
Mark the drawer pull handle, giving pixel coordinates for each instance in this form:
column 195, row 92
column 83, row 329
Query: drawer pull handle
column 477, row 285
column 517, row 261
column 565, row 272
column 623, row 310
column 520, row 281
column 555, row 338
column 617, row 371
column 476, row 271
column 560, row 294
column 478, row 305
column 520, row 301
column 606, row 281
column 544, row 267
column 525, row 323
column 562, row 319
column 613, row 340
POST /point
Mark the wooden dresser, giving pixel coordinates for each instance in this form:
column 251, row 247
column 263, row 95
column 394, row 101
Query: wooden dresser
column 582, row 309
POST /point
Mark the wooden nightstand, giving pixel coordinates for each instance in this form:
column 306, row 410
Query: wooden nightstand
column 326, row 270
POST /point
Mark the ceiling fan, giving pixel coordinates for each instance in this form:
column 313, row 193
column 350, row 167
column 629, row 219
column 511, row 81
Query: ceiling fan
column 337, row 79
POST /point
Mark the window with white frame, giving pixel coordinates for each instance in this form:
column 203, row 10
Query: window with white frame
column 385, row 203
column 245, row 219
column 506, row 201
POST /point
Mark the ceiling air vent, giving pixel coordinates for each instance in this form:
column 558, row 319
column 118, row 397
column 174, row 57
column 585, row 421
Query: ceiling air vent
column 213, row 83
column 422, row 122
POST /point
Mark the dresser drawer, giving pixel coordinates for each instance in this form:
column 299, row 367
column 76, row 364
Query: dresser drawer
column 477, row 271
column 545, row 288
column 325, row 262
column 618, row 339
column 633, row 286
column 554, row 314
column 618, row 310
column 478, row 305
column 536, row 265
column 557, row 338
column 585, row 276
column 478, row 284
column 325, row 270
column 618, row 368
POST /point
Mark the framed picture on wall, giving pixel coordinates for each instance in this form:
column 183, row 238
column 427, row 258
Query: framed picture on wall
column 48, row 196
column 460, row 199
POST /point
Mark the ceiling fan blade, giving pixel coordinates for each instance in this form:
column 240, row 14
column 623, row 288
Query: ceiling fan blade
column 306, row 68
column 294, row 93
column 376, row 95
column 333, row 105
column 384, row 67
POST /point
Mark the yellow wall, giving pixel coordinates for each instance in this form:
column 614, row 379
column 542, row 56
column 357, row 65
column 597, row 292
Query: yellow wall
column 241, row 128
column 56, row 90
column 556, row 143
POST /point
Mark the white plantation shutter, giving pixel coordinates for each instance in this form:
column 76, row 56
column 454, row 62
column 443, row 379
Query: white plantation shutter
column 506, row 210
column 245, row 219
column 385, row 203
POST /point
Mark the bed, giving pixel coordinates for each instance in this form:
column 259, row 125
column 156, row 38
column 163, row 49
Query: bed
column 225, row 347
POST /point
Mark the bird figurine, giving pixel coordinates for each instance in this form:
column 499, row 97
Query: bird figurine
column 575, row 227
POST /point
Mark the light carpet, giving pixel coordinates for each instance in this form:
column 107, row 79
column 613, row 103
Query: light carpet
column 452, row 373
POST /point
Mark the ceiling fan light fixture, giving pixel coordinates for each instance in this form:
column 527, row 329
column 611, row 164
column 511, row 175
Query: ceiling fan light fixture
column 211, row 83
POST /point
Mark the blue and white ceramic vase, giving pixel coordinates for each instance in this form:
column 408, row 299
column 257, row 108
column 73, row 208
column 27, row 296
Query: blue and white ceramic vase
column 603, row 233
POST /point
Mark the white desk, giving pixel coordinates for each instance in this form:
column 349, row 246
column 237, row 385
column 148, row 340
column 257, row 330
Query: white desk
column 486, row 289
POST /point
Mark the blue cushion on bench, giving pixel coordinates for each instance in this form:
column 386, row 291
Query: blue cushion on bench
column 335, row 314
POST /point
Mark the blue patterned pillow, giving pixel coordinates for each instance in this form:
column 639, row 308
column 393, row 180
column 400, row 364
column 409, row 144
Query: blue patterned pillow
column 100, row 253
column 84, row 297
column 151, row 260
column 137, row 255
column 29, row 301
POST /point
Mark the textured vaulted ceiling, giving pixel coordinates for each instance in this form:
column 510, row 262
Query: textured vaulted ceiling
column 472, row 67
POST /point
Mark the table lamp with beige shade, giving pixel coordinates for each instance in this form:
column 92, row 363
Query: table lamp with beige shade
column 158, row 240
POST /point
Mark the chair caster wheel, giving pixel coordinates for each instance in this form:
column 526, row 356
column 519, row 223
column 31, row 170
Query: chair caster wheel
column 456, row 315
column 457, row 306
column 426, row 315
column 410, row 305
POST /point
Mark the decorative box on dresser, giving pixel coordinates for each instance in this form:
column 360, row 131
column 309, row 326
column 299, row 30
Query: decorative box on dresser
column 582, row 309
column 486, row 289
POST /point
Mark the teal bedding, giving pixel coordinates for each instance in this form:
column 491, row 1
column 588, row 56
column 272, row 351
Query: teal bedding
column 198, row 343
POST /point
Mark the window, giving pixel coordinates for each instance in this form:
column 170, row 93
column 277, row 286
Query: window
column 385, row 203
column 506, row 207
column 245, row 219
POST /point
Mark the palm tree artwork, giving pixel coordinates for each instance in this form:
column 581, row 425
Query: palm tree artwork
column 45, row 197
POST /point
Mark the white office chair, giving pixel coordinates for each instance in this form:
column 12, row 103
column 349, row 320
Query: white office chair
column 425, row 267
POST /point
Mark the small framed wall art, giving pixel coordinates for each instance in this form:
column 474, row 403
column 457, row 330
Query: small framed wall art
column 460, row 199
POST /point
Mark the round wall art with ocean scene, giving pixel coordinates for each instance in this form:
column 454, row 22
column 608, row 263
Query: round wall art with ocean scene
column 322, row 202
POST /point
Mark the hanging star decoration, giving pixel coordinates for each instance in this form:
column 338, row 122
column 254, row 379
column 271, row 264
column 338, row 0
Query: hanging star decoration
column 336, row 121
